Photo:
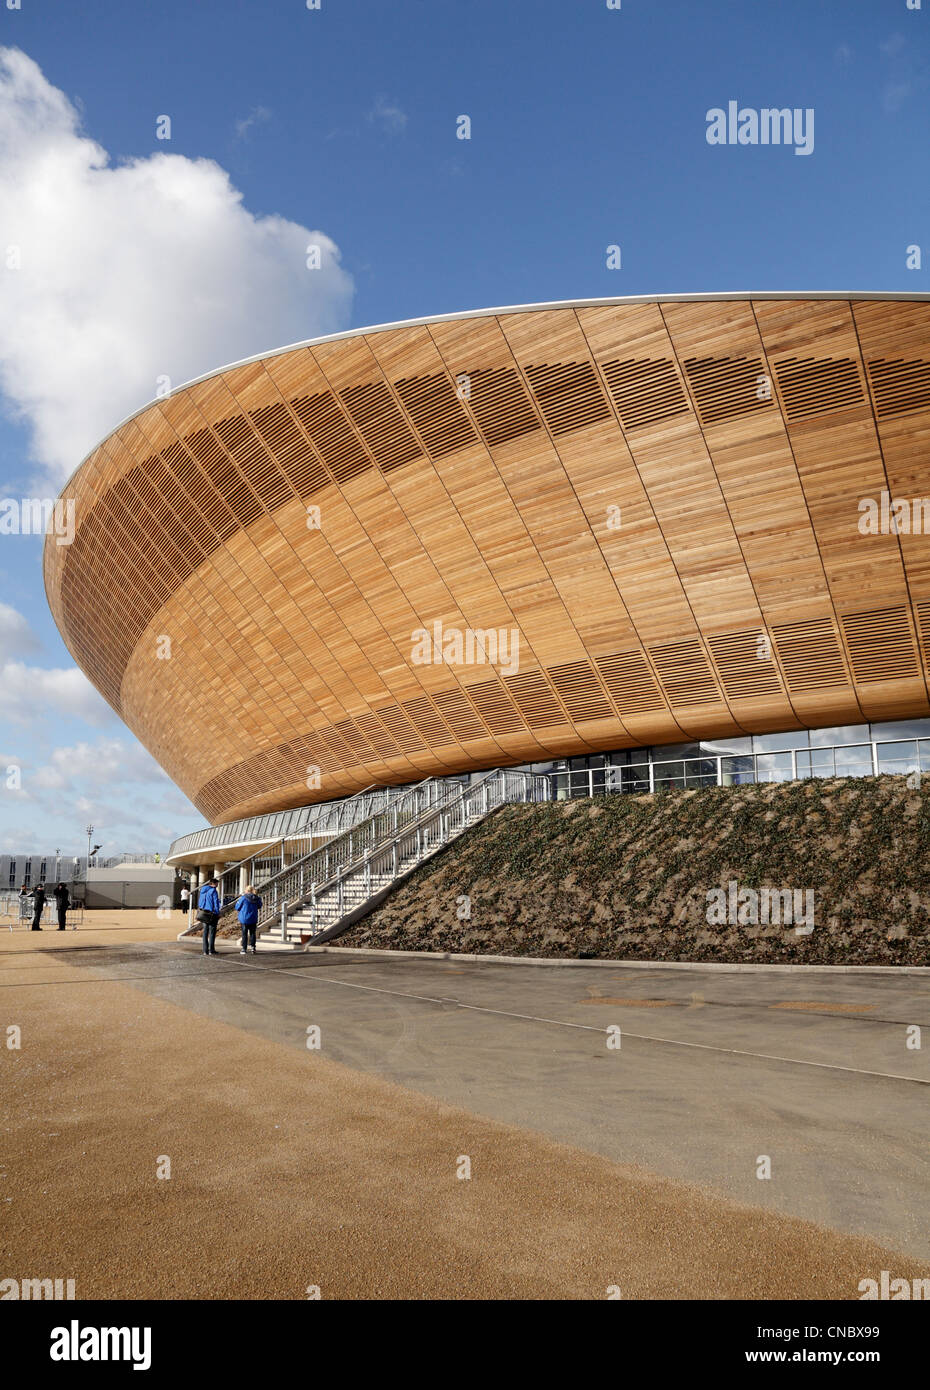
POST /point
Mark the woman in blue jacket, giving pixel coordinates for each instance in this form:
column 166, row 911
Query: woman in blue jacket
column 247, row 905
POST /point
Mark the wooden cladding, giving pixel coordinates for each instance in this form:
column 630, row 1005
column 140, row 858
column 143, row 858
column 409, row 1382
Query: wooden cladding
column 645, row 391
column 880, row 644
column 685, row 674
column 625, row 486
column 744, row 663
column 724, row 387
column 810, row 655
column 817, row 386
column 899, row 387
column 568, row 395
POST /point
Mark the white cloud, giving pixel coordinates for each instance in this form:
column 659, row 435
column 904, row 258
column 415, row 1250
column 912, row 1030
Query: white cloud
column 112, row 782
column 152, row 267
column 16, row 635
column 30, row 693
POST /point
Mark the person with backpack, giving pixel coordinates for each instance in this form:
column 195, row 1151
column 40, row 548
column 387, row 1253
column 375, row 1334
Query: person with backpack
column 247, row 905
column 62, row 903
column 208, row 903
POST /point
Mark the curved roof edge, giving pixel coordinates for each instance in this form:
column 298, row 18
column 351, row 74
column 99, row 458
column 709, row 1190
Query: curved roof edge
column 492, row 313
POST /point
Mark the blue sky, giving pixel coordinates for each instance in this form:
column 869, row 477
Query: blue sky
column 588, row 129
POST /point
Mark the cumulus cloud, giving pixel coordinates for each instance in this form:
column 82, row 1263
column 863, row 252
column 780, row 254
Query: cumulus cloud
column 16, row 635
column 29, row 694
column 110, row 762
column 122, row 274
column 112, row 782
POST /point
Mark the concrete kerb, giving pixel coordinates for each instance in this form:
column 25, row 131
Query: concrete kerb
column 561, row 962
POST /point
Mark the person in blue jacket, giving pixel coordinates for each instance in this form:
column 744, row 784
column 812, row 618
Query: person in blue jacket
column 247, row 905
column 208, row 904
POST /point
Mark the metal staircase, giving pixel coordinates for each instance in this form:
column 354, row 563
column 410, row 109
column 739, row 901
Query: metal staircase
column 318, row 897
column 265, row 863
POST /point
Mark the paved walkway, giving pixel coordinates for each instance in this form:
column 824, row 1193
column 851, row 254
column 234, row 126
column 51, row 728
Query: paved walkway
column 337, row 1167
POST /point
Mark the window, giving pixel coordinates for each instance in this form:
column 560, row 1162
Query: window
column 854, row 762
column 667, row 775
column 777, row 743
column 735, row 771
column 822, row 762
column 773, row 767
column 898, row 758
column 636, row 778
column 726, row 745
column 904, row 728
column 829, row 738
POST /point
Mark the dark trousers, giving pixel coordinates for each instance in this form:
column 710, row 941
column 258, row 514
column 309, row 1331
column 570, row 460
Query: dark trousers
column 209, row 933
column 62, row 918
column 248, row 937
column 37, row 918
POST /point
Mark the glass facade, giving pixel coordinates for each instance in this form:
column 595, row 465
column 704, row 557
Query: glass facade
column 856, row 750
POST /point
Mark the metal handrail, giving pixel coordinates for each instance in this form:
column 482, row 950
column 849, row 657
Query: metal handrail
column 230, row 877
column 335, row 846
column 383, row 862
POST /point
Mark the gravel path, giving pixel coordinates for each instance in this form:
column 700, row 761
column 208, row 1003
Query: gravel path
column 289, row 1170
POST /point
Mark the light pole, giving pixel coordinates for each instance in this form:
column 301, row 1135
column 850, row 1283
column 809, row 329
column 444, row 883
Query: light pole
column 57, row 863
column 90, row 831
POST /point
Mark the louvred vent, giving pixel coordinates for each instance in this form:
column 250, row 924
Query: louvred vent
column 353, row 736
column 818, row 385
column 377, row 735
column 630, row 682
column 899, row 387
column 500, row 405
column 645, row 390
column 289, row 446
column 304, row 753
column 334, row 740
column 381, row 425
column 580, row 691
column 423, row 714
column 459, row 715
column 257, row 466
column 880, row 644
column 810, row 655
column 492, row 703
column 724, row 387
column 923, row 623
column 332, row 435
column 685, row 674
column 568, row 395
column 534, row 698
column 744, row 664
column 436, row 411
column 232, row 502
column 400, row 729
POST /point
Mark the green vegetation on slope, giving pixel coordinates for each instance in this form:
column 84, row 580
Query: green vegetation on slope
column 627, row 877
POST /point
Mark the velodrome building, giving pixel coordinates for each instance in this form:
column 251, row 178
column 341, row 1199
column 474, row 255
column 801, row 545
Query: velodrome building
column 638, row 543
